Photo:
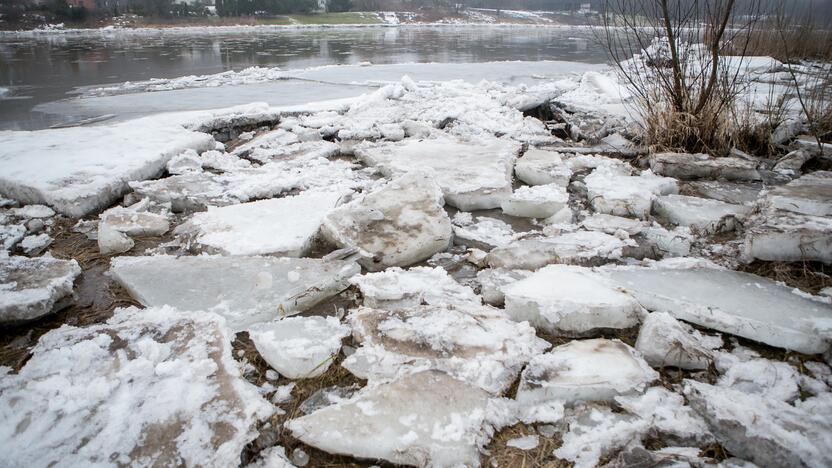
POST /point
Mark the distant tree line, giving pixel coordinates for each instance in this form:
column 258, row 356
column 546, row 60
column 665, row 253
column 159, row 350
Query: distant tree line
column 250, row 7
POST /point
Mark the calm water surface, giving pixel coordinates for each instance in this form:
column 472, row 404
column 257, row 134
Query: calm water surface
column 43, row 69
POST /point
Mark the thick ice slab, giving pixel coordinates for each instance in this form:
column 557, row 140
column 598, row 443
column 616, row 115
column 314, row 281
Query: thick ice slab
column 808, row 195
column 779, row 235
column 728, row 192
column 118, row 225
column 482, row 232
column 665, row 341
column 299, row 347
column 152, row 386
column 279, row 226
column 707, row 216
column 33, row 287
column 610, row 224
column 541, row 167
column 396, row 289
column 474, row 175
column 81, row 170
column 399, row 224
column 701, row 166
column 569, row 301
column 423, row 419
column 476, row 344
column 246, row 290
column 732, row 302
column 614, row 193
column 596, row 431
column 764, row 431
column 585, row 370
column 541, row 201
column 574, row 248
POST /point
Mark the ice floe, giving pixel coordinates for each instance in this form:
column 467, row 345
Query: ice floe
column 246, row 290
column 299, row 347
column 396, row 289
column 112, row 393
column 399, row 224
column 33, row 287
column 665, row 341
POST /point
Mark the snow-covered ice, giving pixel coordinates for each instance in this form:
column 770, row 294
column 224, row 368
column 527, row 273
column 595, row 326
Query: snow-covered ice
column 595, row 431
column 707, row 216
column 299, row 347
column 246, row 290
column 482, row 232
column 611, row 224
column 399, row 224
column 540, row 201
column 584, row 370
column 611, row 192
column 279, row 226
column 702, row 166
column 117, row 225
column 33, row 287
column 668, row 416
column 474, row 175
column 764, row 431
column 476, row 344
column 729, row 301
column 754, row 375
column 810, row 194
column 153, row 386
column 35, row 244
column 80, row 170
column 570, row 301
column 422, row 419
column 397, row 289
column 576, row 248
column 33, row 211
column 665, row 341
column 542, row 167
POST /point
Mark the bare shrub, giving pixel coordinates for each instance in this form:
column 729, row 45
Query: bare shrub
column 674, row 56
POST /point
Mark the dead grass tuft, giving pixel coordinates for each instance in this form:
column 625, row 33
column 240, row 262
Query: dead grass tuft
column 541, row 456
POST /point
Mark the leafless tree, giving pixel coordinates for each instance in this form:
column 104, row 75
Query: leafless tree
column 673, row 56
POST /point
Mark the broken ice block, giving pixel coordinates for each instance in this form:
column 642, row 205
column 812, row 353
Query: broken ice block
column 575, row 248
column 665, row 341
column 152, row 386
column 729, row 301
column 299, row 347
column 279, row 226
column 477, row 344
column 728, row 192
column 493, row 282
column 33, row 287
column 246, row 290
column 611, row 192
column 473, row 175
column 395, row 289
column 540, row 167
column 423, row 419
column 570, row 301
column 779, row 235
column 482, row 232
column 399, row 224
column 541, row 201
column 707, row 216
column 701, row 166
column 117, row 225
column 808, row 195
column 584, row 370
column 610, row 224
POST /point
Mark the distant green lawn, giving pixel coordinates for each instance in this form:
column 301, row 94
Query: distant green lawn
column 325, row 18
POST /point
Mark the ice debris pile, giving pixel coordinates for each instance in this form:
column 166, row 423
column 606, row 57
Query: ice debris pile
column 456, row 273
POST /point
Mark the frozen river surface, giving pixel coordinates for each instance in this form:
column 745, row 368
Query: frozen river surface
column 44, row 73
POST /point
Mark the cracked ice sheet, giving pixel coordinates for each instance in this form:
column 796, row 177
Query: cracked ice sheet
column 80, row 170
column 279, row 226
column 422, row 419
column 395, row 289
column 474, row 175
column 733, row 302
column 103, row 395
column 477, row 344
column 246, row 290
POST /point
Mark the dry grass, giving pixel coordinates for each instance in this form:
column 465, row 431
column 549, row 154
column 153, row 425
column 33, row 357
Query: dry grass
column 810, row 277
